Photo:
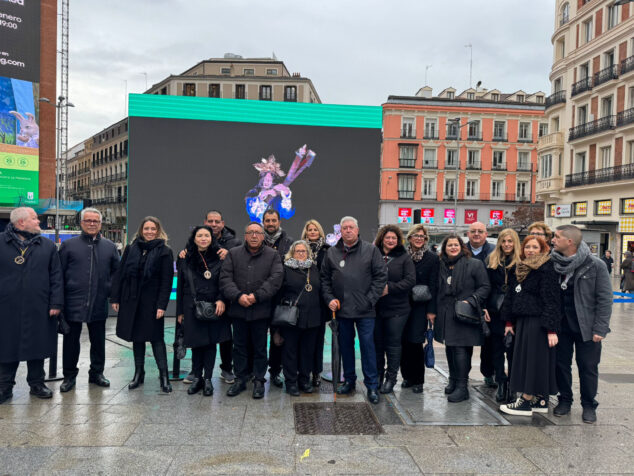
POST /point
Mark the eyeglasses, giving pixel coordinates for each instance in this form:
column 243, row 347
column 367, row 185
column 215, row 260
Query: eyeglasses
column 419, row 237
column 91, row 222
column 253, row 233
column 477, row 232
column 538, row 234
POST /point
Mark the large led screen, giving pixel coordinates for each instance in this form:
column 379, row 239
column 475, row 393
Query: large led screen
column 189, row 155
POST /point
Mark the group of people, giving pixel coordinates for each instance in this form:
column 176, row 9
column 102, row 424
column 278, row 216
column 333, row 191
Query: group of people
column 528, row 306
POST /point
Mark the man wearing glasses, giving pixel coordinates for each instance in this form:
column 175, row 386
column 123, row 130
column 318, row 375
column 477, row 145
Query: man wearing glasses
column 250, row 278
column 88, row 262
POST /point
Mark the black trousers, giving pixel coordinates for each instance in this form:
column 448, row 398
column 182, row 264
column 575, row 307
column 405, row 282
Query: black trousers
column 71, row 348
column 254, row 333
column 318, row 359
column 413, row 363
column 159, row 351
column 298, row 353
column 587, row 356
column 226, row 356
column 203, row 361
column 35, row 373
column 487, row 368
column 388, row 333
column 275, row 355
column 499, row 351
column 459, row 361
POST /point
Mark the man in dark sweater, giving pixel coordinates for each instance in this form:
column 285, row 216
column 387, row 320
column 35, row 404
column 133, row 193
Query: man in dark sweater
column 608, row 260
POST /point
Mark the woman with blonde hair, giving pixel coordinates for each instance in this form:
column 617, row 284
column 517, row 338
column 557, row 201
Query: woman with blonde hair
column 500, row 268
column 539, row 228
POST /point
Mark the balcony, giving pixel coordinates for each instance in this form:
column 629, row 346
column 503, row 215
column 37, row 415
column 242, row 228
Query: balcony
column 550, row 184
column 451, row 136
column 473, row 165
column 558, row 97
column 563, row 20
column 609, row 174
column 474, row 136
column 430, row 195
column 627, row 65
column 408, row 133
column 430, row 164
column 406, row 194
column 592, row 127
column 581, row 86
column 500, row 165
column 500, row 137
column 606, row 74
column 486, row 197
column 524, row 167
column 406, row 162
column 432, row 135
column 556, row 139
column 625, row 117
column 526, row 139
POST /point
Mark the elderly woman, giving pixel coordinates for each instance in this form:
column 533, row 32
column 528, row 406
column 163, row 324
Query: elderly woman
column 198, row 276
column 532, row 309
column 313, row 234
column 393, row 307
column 140, row 293
column 426, row 264
column 461, row 278
column 301, row 287
column 500, row 268
column 541, row 229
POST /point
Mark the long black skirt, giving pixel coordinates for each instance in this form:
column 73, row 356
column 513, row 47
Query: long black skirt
column 534, row 363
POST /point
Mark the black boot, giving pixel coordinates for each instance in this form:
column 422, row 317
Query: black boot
column 502, row 393
column 451, row 385
column 196, row 386
column 462, row 365
column 139, row 377
column 461, row 391
column 166, row 386
column 160, row 355
column 208, row 391
column 393, row 363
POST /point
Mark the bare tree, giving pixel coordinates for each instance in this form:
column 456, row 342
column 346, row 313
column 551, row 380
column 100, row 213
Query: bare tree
column 523, row 216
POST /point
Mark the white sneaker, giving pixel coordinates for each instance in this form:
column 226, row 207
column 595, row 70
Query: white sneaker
column 227, row 376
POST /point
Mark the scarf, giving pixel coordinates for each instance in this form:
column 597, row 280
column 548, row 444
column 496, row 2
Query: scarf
column 528, row 264
column 197, row 263
column 316, row 246
column 418, row 254
column 271, row 239
column 29, row 238
column 138, row 249
column 457, row 274
column 295, row 264
column 568, row 264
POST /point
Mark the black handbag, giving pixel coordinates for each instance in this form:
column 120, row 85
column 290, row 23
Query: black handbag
column 495, row 302
column 421, row 293
column 204, row 310
column 468, row 313
column 286, row 314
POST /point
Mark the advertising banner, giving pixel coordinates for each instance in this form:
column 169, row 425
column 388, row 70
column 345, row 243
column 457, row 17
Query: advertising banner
column 603, row 207
column 470, row 216
column 404, row 215
column 628, row 206
column 427, row 216
column 581, row 209
column 496, row 217
column 450, row 216
column 562, row 211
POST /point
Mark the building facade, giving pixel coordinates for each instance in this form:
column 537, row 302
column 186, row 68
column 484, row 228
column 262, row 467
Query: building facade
column 587, row 161
column 488, row 163
column 78, row 166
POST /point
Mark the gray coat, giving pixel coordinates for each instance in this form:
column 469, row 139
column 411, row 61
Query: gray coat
column 593, row 298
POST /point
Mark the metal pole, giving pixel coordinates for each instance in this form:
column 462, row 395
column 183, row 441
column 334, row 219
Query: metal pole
column 57, row 171
column 455, row 196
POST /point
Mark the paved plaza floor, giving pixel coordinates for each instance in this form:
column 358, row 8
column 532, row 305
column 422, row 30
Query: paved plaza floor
column 118, row 431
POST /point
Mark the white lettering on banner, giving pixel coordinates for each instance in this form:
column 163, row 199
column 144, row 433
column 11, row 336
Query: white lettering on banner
column 17, row 2
column 563, row 210
column 4, row 61
column 6, row 16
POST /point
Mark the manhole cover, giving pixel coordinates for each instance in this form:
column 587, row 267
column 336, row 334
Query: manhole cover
column 335, row 419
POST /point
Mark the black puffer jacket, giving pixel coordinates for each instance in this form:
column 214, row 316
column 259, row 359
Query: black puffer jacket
column 282, row 244
column 309, row 304
column 401, row 277
column 227, row 239
column 540, row 295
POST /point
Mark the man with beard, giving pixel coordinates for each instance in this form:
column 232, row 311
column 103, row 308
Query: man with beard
column 31, row 297
column 277, row 239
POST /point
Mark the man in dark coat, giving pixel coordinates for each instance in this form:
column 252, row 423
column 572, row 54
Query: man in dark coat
column 250, row 278
column 353, row 276
column 31, row 296
column 277, row 239
column 481, row 249
column 88, row 261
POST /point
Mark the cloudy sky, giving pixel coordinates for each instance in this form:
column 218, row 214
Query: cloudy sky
column 354, row 51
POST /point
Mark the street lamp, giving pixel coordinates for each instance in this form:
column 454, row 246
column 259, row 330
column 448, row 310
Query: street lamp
column 61, row 102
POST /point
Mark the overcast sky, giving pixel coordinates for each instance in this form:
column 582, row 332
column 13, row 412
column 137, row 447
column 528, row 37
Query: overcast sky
column 354, row 51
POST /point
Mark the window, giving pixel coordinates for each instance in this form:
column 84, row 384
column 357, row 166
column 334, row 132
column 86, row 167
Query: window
column 290, row 93
column 543, row 129
column 603, row 207
column 428, row 188
column 587, row 31
column 452, row 130
column 474, row 129
column 431, row 129
column 163, row 91
column 629, row 152
column 580, row 209
column 539, row 99
column 450, row 188
column 249, row 71
column 498, row 160
column 608, row 59
column 266, row 93
column 582, row 114
column 584, row 71
column 497, row 188
column 557, row 85
column 473, row 159
column 452, row 155
column 525, row 132
column 499, row 128
column 580, row 162
column 565, row 14
column 472, row 188
column 225, row 70
column 429, row 158
column 240, row 91
column 214, row 90
column 408, row 128
column 406, row 185
column 271, row 72
column 520, row 98
column 613, row 15
column 495, row 97
column 470, row 95
column 522, row 191
column 545, row 166
column 407, row 156
column 560, row 51
column 606, row 160
column 523, row 161
column 189, row 89
column 606, row 106
column 450, row 94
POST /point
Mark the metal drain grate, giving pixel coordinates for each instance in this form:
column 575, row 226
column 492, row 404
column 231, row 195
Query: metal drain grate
column 335, row 419
column 326, row 387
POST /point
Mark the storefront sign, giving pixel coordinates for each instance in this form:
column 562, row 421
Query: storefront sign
column 562, row 211
column 470, row 216
column 404, row 215
column 603, row 207
column 551, row 210
column 496, row 217
column 427, row 216
column 628, row 206
column 450, row 216
column 581, row 209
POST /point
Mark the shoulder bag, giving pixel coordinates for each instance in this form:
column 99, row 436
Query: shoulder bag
column 421, row 293
column 467, row 313
column 204, row 310
column 287, row 314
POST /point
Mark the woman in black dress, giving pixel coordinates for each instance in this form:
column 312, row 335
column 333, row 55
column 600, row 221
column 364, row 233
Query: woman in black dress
column 302, row 286
column 501, row 267
column 140, row 293
column 393, row 307
column 532, row 309
column 461, row 278
column 198, row 275
column 314, row 235
column 426, row 263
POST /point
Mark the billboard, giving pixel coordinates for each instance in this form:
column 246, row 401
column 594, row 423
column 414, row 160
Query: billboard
column 19, row 99
column 404, row 215
column 189, row 155
column 450, row 216
column 496, row 217
column 470, row 216
column 427, row 216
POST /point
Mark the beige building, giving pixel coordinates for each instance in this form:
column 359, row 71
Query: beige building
column 586, row 163
column 263, row 79
column 78, row 167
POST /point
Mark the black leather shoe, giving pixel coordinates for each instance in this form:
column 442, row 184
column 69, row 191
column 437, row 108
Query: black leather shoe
column 451, row 386
column 5, row 395
column 236, row 389
column 562, row 408
column 67, row 385
column 489, row 382
column 277, row 380
column 166, row 386
column 589, row 415
column 99, row 380
column 417, row 388
column 346, row 388
column 291, row 389
column 196, row 386
column 388, row 386
column 258, row 389
column 41, row 391
column 405, row 384
column 316, row 380
column 373, row 396
column 502, row 392
column 208, row 390
column 138, row 379
column 306, row 388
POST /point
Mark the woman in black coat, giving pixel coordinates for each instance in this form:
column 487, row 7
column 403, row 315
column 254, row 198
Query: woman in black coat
column 426, row 263
column 140, row 293
column 392, row 309
column 500, row 268
column 461, row 278
column 301, row 287
column 314, row 235
column 198, row 276
column 532, row 308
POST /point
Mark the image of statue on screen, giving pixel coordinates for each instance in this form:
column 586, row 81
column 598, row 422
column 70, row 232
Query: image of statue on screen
column 273, row 189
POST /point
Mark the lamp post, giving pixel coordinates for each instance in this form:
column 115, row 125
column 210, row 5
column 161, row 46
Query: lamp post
column 456, row 122
column 61, row 102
